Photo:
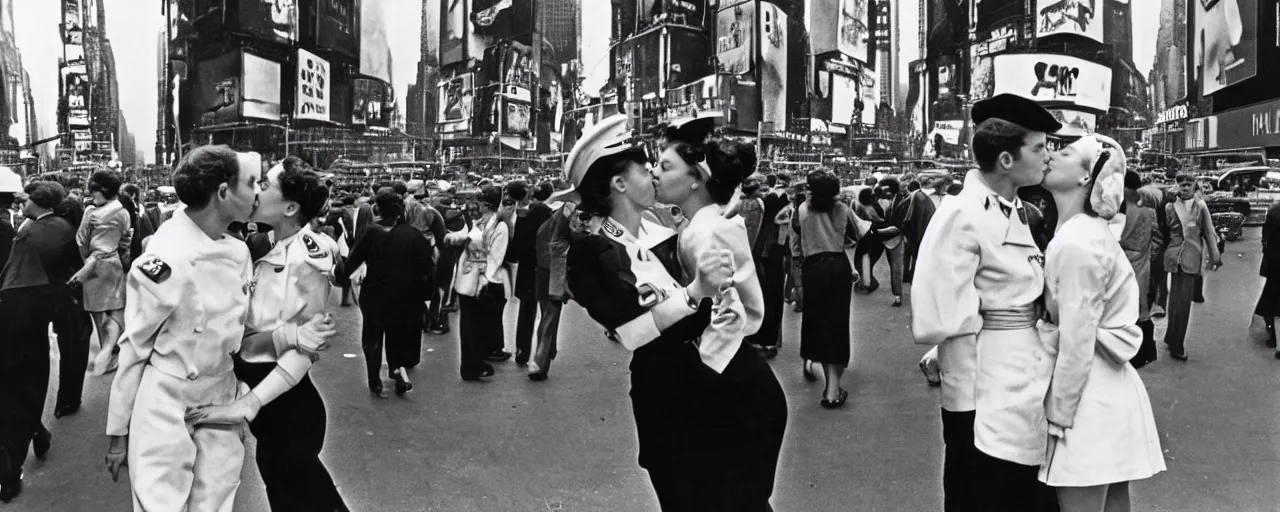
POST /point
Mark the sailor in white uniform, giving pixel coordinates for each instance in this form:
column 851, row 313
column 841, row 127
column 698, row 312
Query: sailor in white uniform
column 186, row 301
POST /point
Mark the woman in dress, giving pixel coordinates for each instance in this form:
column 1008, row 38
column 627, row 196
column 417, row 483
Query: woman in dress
column 483, row 285
column 396, row 286
column 104, row 238
column 1102, row 434
column 823, row 224
column 743, row 403
column 624, row 274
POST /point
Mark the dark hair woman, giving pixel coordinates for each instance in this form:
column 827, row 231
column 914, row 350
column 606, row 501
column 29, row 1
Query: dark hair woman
column 701, row 179
column 483, row 285
column 285, row 328
column 625, row 274
column 823, row 224
column 395, row 287
column 104, row 239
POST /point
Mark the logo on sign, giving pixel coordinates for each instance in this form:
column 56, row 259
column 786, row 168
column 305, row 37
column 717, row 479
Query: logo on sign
column 1061, row 80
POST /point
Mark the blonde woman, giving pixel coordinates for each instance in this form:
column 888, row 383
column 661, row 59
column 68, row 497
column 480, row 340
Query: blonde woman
column 1102, row 434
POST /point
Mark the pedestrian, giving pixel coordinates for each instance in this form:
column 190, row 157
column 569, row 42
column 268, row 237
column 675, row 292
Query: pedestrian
column 286, row 327
column 1269, row 302
column 74, row 329
column 530, row 215
column 1140, row 239
column 893, row 208
column 624, row 275
column 871, row 245
column 1191, row 238
column 104, row 238
column 1102, row 432
column 981, row 276
column 10, row 187
column 742, row 405
column 483, row 284
column 33, row 296
column 769, row 252
column 921, row 205
column 823, row 224
column 1156, row 198
column 393, row 297
column 184, row 317
column 356, row 219
column 552, row 246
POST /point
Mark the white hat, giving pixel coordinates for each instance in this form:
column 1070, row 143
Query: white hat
column 10, row 181
column 608, row 137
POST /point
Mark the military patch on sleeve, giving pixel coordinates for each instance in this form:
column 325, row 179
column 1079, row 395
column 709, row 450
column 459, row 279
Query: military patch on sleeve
column 156, row 270
column 313, row 248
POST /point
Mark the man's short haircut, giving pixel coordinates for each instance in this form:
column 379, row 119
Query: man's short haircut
column 131, row 189
column 400, row 187
column 300, row 184
column 518, row 190
column 995, row 136
column 45, row 194
column 543, row 191
column 1132, row 180
column 107, row 182
column 199, row 174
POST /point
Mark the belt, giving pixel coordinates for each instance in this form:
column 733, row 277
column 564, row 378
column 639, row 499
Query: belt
column 1009, row 319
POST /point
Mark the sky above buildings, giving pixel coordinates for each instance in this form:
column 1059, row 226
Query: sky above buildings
column 132, row 26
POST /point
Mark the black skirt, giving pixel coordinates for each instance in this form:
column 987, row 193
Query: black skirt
column 824, row 329
column 1269, row 302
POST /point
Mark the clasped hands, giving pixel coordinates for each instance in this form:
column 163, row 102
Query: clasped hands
column 715, row 274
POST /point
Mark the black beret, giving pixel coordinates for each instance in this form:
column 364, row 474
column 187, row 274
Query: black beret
column 1017, row 110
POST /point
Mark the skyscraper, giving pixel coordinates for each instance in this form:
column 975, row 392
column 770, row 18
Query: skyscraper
column 560, row 28
column 886, row 48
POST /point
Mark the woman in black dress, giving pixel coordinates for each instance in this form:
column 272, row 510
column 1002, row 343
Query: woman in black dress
column 624, row 275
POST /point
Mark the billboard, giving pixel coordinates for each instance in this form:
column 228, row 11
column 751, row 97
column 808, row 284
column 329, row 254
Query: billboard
column 1083, row 120
column 1054, row 79
column 216, row 91
column 74, row 54
column 869, row 93
column 773, row 64
column 992, row 13
column 456, row 101
column 261, row 79
column 369, row 102
column 453, row 35
column 735, row 26
column 375, row 54
column 270, row 19
column 1252, row 126
column 496, row 20
column 312, row 88
column 1079, row 17
column 515, row 118
column 853, row 31
column 982, row 78
column 1226, row 42
column 336, row 27
column 76, row 91
column 948, row 27
column 844, row 97
column 688, row 50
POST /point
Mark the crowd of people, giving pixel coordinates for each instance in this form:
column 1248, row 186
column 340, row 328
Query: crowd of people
column 1036, row 285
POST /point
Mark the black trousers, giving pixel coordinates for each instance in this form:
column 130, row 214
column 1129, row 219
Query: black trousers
column 525, row 325
column 392, row 321
column 290, row 432
column 975, row 481
column 25, row 316
column 480, row 327
column 1147, row 353
column 772, row 274
column 74, row 327
column 960, row 462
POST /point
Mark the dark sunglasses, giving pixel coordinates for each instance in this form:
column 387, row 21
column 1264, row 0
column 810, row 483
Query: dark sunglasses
column 1060, row 142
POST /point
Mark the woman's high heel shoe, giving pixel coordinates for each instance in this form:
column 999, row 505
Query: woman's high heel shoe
column 402, row 381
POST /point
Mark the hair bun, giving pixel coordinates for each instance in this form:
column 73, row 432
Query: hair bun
column 730, row 161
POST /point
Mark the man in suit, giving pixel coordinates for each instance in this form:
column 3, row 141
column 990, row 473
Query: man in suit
column 355, row 221
column 917, row 211
column 33, row 292
column 1269, row 303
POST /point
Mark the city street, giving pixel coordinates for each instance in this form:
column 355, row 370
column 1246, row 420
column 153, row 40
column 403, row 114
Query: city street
column 569, row 443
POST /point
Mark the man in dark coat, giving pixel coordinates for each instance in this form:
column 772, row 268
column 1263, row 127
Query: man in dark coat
column 355, row 221
column 916, row 212
column 522, row 252
column 1269, row 303
column 33, row 292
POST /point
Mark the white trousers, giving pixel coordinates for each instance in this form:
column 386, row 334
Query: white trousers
column 173, row 468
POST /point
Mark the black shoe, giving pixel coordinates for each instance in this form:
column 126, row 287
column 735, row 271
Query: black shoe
column 1198, row 300
column 66, row 410
column 897, row 302
column 346, row 304
column 538, row 376
column 1181, row 356
column 41, row 442
column 769, row 352
column 839, row 401
column 10, row 488
column 376, row 389
column 438, row 329
column 402, row 381
column 808, row 375
column 498, row 356
column 471, row 376
column 1271, row 343
column 522, row 358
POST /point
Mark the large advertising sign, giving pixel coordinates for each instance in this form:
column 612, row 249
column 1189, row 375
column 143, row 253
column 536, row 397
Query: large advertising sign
column 1255, row 126
column 375, row 54
column 1079, row 17
column 853, row 32
column 216, row 89
column 261, row 79
column 456, row 101
column 773, row 64
column 1083, row 120
column 844, row 98
column 735, row 26
column 1054, row 79
column 453, row 32
column 270, row 19
column 948, row 27
column 992, row 13
column 336, row 29
column 1226, row 42
column 76, row 91
column 369, row 100
column 312, row 99
column 495, row 20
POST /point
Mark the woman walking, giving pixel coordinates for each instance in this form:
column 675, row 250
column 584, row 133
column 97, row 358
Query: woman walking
column 104, row 239
column 823, row 224
column 743, row 405
column 483, row 285
column 1102, row 434
column 624, row 274
column 396, row 286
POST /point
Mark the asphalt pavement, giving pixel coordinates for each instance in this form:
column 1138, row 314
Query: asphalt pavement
column 568, row 444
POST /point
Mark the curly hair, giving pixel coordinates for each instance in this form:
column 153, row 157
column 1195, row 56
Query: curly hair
column 824, row 188
column 107, row 182
column 45, row 194
column 203, row 170
column 300, row 184
column 730, row 163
